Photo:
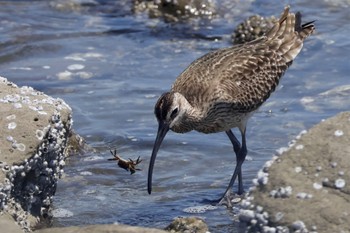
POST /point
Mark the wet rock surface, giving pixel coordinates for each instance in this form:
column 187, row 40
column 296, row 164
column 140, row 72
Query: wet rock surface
column 190, row 224
column 34, row 131
column 175, row 10
column 169, row 10
column 307, row 187
column 252, row 28
column 8, row 225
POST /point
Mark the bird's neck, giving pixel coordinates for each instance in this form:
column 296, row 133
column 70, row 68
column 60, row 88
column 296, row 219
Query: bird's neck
column 192, row 113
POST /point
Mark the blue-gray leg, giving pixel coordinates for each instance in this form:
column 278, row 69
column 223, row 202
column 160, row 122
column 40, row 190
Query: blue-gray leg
column 236, row 147
column 241, row 152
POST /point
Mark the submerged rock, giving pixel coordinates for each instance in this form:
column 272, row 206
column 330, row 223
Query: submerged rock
column 175, row 10
column 252, row 28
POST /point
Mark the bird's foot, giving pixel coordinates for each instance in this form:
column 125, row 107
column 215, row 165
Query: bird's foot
column 230, row 199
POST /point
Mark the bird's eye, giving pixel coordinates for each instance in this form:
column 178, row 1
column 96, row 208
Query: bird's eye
column 174, row 113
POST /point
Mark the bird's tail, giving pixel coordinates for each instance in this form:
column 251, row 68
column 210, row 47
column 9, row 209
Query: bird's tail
column 288, row 34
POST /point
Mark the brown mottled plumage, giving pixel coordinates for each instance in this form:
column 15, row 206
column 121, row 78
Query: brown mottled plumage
column 223, row 88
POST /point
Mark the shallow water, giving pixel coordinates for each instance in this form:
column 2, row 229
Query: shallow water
column 111, row 65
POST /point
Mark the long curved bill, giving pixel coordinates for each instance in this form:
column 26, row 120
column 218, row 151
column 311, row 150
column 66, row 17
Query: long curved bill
column 163, row 128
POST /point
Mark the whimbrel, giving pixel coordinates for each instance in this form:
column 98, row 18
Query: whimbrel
column 222, row 89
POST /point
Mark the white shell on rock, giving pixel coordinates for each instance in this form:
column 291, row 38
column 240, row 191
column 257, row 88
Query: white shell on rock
column 339, row 183
column 11, row 117
column 19, row 146
column 298, row 225
column 246, row 215
column 12, row 125
column 317, row 186
column 39, row 134
column 17, row 105
column 338, row 133
column 298, row 169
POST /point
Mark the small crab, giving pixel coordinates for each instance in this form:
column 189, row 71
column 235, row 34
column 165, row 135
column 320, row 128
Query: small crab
column 127, row 165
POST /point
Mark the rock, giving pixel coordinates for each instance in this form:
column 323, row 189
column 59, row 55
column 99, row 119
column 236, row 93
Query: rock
column 77, row 144
column 33, row 129
column 252, row 28
column 189, row 224
column 8, row 225
column 298, row 226
column 175, row 10
column 324, row 206
column 246, row 215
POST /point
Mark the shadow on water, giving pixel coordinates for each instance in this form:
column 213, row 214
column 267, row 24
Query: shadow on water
column 110, row 65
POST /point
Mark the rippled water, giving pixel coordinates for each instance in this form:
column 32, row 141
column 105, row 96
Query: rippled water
column 111, row 65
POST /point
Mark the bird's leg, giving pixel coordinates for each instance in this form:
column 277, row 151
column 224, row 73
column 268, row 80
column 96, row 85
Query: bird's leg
column 236, row 144
column 240, row 157
column 236, row 147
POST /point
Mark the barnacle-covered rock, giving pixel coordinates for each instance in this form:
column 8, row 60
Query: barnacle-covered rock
column 189, row 224
column 175, row 10
column 252, row 28
column 34, row 130
column 307, row 178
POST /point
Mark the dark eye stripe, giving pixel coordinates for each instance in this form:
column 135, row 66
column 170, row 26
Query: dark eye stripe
column 174, row 113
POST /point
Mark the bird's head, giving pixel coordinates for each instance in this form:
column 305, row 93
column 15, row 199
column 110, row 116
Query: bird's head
column 169, row 111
